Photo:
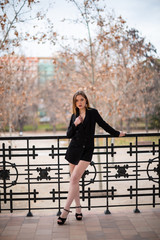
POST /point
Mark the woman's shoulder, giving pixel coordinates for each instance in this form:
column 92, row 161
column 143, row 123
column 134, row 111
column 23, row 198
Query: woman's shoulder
column 92, row 110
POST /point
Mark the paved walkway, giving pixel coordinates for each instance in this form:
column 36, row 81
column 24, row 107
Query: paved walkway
column 120, row 225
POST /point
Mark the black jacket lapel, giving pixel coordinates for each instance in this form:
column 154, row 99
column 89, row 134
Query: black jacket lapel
column 86, row 119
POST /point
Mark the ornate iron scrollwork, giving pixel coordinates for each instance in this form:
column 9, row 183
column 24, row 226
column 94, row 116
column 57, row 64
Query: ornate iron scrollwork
column 87, row 172
column 43, row 173
column 5, row 175
column 155, row 169
column 121, row 171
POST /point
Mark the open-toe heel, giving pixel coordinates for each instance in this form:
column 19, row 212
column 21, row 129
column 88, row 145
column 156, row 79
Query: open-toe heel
column 79, row 216
column 62, row 220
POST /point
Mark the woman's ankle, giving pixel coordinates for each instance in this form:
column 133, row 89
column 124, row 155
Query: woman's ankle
column 65, row 212
column 78, row 209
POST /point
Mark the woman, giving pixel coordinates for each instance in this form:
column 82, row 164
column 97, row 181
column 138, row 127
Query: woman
column 79, row 153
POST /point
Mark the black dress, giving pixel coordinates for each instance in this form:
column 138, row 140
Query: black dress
column 81, row 146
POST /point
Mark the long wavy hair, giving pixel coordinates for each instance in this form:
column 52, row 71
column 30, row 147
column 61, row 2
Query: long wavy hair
column 75, row 110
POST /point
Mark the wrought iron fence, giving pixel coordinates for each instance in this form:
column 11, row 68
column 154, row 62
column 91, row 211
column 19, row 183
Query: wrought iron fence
column 35, row 176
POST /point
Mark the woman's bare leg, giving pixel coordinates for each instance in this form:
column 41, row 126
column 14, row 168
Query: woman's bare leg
column 77, row 197
column 74, row 184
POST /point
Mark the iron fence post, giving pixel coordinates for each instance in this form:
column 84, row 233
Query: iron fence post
column 29, row 214
column 107, row 185
column 136, row 209
column 59, row 188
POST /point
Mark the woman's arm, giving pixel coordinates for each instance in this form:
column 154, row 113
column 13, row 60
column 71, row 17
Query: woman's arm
column 106, row 126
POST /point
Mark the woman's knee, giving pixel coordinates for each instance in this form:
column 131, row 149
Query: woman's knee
column 74, row 179
column 71, row 168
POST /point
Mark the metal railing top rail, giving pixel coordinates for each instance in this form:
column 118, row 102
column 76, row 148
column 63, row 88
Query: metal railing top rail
column 64, row 136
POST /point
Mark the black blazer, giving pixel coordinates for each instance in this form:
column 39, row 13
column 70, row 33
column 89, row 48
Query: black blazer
column 83, row 134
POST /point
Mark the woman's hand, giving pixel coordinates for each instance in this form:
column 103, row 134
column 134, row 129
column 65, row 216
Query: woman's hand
column 78, row 120
column 122, row 134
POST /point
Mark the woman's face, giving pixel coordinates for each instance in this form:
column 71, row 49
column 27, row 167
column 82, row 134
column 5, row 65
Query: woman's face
column 80, row 102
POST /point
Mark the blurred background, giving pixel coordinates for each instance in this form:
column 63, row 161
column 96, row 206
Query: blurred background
column 51, row 49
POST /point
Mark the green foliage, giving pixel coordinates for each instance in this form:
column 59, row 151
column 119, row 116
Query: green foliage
column 39, row 127
column 61, row 127
column 27, row 128
column 127, row 140
column 155, row 118
column 44, row 127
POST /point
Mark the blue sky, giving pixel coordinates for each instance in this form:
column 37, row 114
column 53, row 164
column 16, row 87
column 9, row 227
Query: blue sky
column 144, row 15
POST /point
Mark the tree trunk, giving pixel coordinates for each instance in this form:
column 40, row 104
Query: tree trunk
column 128, row 125
column 146, row 121
column 121, row 125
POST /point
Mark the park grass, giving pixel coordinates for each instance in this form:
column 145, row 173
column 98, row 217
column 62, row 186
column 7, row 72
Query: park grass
column 44, row 127
column 127, row 140
column 145, row 140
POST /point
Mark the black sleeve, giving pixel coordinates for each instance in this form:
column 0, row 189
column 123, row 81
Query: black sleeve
column 71, row 128
column 105, row 125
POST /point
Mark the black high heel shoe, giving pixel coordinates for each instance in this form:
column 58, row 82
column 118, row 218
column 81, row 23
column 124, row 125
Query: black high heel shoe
column 79, row 216
column 63, row 219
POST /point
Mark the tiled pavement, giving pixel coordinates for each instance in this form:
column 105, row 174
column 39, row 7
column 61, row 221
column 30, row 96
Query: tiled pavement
column 122, row 224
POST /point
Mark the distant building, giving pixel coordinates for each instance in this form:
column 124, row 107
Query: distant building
column 45, row 72
column 44, row 67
